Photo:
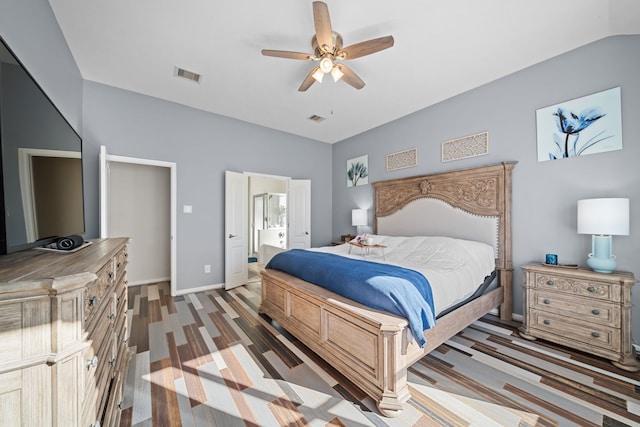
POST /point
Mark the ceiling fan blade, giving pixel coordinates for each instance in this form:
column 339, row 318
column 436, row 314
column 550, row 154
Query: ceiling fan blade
column 350, row 77
column 322, row 22
column 287, row 54
column 308, row 81
column 366, row 48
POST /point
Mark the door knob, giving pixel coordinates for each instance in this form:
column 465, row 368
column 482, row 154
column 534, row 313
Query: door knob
column 306, row 232
column 231, row 236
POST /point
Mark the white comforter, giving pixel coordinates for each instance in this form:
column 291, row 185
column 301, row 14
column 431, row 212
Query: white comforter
column 454, row 267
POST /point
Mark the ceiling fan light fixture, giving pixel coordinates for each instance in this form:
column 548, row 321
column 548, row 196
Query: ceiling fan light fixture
column 326, row 64
column 336, row 73
column 318, row 75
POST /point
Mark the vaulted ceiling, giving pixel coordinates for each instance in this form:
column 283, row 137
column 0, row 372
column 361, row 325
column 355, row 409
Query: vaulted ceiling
column 442, row 48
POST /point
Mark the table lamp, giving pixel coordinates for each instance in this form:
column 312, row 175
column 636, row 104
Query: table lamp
column 603, row 218
column 358, row 218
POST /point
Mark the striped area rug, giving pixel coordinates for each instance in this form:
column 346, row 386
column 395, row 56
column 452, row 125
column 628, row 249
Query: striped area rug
column 209, row 359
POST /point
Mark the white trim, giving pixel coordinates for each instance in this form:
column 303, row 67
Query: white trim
column 149, row 281
column 262, row 175
column 514, row 316
column 174, row 186
column 104, row 192
column 200, row 289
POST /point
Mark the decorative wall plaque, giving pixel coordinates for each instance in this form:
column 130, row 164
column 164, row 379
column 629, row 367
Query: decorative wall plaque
column 402, row 159
column 467, row 146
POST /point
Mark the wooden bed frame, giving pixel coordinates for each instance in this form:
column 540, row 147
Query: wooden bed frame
column 373, row 348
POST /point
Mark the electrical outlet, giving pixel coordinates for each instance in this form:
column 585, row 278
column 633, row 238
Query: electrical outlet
column 207, row 268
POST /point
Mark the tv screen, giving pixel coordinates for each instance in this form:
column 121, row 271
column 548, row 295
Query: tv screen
column 41, row 163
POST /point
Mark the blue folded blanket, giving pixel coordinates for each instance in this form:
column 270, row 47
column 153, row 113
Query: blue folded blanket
column 397, row 290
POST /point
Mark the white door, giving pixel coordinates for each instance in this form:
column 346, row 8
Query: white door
column 236, row 216
column 299, row 214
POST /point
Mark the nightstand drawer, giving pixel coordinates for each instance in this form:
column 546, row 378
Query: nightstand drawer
column 590, row 334
column 583, row 309
column 577, row 286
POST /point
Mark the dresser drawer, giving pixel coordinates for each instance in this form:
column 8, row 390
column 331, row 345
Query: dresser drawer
column 95, row 292
column 577, row 286
column 582, row 309
column 121, row 263
column 99, row 368
column 590, row 334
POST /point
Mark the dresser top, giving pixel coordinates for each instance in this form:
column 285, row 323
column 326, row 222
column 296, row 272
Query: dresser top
column 32, row 270
column 582, row 272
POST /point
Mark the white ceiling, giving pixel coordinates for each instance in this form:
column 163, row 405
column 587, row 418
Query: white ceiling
column 442, row 48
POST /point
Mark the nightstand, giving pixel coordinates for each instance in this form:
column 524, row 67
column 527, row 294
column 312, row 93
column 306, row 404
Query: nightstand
column 581, row 309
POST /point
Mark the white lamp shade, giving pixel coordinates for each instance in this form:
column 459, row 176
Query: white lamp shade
column 603, row 216
column 359, row 217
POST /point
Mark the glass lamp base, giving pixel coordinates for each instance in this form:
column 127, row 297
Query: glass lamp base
column 602, row 265
column 601, row 258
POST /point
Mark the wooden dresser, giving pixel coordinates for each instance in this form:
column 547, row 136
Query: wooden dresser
column 63, row 336
column 581, row 309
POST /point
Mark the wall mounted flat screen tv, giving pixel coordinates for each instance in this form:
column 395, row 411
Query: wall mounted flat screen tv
column 41, row 163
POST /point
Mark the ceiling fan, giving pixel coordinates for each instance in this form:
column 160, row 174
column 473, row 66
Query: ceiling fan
column 327, row 48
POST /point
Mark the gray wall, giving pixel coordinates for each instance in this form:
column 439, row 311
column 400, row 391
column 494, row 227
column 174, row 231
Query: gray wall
column 30, row 29
column 545, row 194
column 203, row 146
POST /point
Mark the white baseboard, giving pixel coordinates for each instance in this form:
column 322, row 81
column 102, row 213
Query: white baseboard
column 514, row 316
column 199, row 289
column 148, row 281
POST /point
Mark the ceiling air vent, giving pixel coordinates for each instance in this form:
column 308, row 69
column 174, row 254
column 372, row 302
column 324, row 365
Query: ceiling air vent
column 186, row 74
column 316, row 118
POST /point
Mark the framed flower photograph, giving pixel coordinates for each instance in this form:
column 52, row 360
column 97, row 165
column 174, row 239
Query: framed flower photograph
column 358, row 171
column 588, row 125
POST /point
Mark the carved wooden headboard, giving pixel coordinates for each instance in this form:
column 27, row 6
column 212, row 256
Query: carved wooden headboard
column 482, row 194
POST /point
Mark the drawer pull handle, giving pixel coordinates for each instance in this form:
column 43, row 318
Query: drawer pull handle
column 547, row 322
column 550, row 282
column 595, row 334
column 93, row 301
column 91, row 363
column 112, row 362
column 546, row 301
column 126, row 254
column 591, row 289
column 595, row 311
column 118, row 265
column 111, row 275
column 111, row 317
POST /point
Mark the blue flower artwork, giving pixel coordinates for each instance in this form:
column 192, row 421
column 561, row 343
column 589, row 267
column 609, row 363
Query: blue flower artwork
column 587, row 125
column 358, row 171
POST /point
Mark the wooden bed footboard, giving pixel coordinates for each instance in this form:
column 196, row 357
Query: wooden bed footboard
column 371, row 348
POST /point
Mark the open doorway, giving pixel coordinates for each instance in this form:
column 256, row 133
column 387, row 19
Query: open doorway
column 239, row 222
column 268, row 221
column 138, row 200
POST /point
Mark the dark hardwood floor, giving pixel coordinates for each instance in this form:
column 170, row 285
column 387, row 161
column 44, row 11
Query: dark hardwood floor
column 209, row 359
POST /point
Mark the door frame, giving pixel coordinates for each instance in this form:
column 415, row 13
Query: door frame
column 105, row 159
column 25, row 171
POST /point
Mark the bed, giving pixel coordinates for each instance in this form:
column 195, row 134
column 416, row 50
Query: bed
column 374, row 348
